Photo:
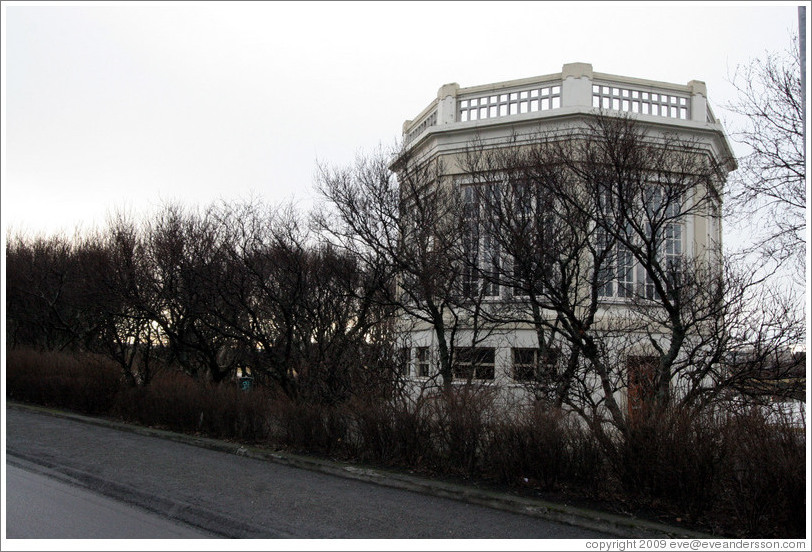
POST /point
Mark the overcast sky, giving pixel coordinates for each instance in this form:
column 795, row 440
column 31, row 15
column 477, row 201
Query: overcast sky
column 131, row 105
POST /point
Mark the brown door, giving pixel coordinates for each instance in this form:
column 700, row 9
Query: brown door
column 641, row 385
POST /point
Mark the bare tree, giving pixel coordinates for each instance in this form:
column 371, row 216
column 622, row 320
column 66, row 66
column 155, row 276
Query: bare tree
column 117, row 271
column 302, row 312
column 342, row 328
column 592, row 223
column 262, row 288
column 408, row 223
column 182, row 255
column 46, row 301
column 769, row 188
column 543, row 244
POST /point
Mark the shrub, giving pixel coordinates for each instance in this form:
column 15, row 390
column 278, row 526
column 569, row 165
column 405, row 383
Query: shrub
column 81, row 382
column 543, row 448
column 304, row 427
column 462, row 414
column 178, row 402
column 765, row 477
column 739, row 474
column 394, row 433
column 672, row 460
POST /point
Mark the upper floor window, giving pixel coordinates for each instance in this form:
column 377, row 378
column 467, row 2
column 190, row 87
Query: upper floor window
column 534, row 237
column 482, row 250
column 658, row 226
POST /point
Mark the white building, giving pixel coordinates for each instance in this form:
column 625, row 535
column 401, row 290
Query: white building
column 526, row 112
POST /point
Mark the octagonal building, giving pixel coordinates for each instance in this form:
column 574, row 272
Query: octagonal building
column 634, row 168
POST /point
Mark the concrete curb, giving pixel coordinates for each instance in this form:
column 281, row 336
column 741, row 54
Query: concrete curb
column 620, row 526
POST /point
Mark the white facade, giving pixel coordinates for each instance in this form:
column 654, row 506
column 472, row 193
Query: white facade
column 517, row 111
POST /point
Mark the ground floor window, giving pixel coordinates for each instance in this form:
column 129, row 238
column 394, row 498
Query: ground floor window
column 402, row 360
column 422, row 362
column 474, row 363
column 529, row 364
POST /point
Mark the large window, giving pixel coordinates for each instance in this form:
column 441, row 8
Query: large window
column 534, row 243
column 658, row 227
column 529, row 364
column 482, row 251
column 490, row 246
column 474, row 363
column 470, row 241
column 606, row 256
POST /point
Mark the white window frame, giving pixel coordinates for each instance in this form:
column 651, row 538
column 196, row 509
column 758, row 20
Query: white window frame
column 422, row 362
column 549, row 363
column 625, row 276
column 477, row 367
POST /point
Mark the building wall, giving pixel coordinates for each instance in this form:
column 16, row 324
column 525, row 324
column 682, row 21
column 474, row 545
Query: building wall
column 526, row 110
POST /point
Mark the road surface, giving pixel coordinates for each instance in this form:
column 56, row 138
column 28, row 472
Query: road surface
column 234, row 496
column 45, row 508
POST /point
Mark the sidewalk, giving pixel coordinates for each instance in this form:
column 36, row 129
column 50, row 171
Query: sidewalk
column 621, row 526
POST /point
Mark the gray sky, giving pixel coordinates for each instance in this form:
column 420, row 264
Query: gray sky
column 129, row 105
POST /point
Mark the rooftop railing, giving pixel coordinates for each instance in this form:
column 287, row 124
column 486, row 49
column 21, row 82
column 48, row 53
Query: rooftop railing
column 477, row 107
column 671, row 104
column 429, row 120
column 577, row 86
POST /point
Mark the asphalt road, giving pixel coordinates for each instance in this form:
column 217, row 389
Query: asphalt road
column 46, row 508
column 241, row 497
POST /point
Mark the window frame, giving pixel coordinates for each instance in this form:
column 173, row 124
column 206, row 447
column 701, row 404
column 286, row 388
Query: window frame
column 422, row 362
column 475, row 359
column 549, row 364
column 482, row 248
column 620, row 262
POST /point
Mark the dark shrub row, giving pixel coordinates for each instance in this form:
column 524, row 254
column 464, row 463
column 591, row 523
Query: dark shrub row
column 734, row 475
column 738, row 472
column 80, row 382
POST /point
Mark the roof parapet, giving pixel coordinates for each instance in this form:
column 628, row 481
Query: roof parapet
column 576, row 86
